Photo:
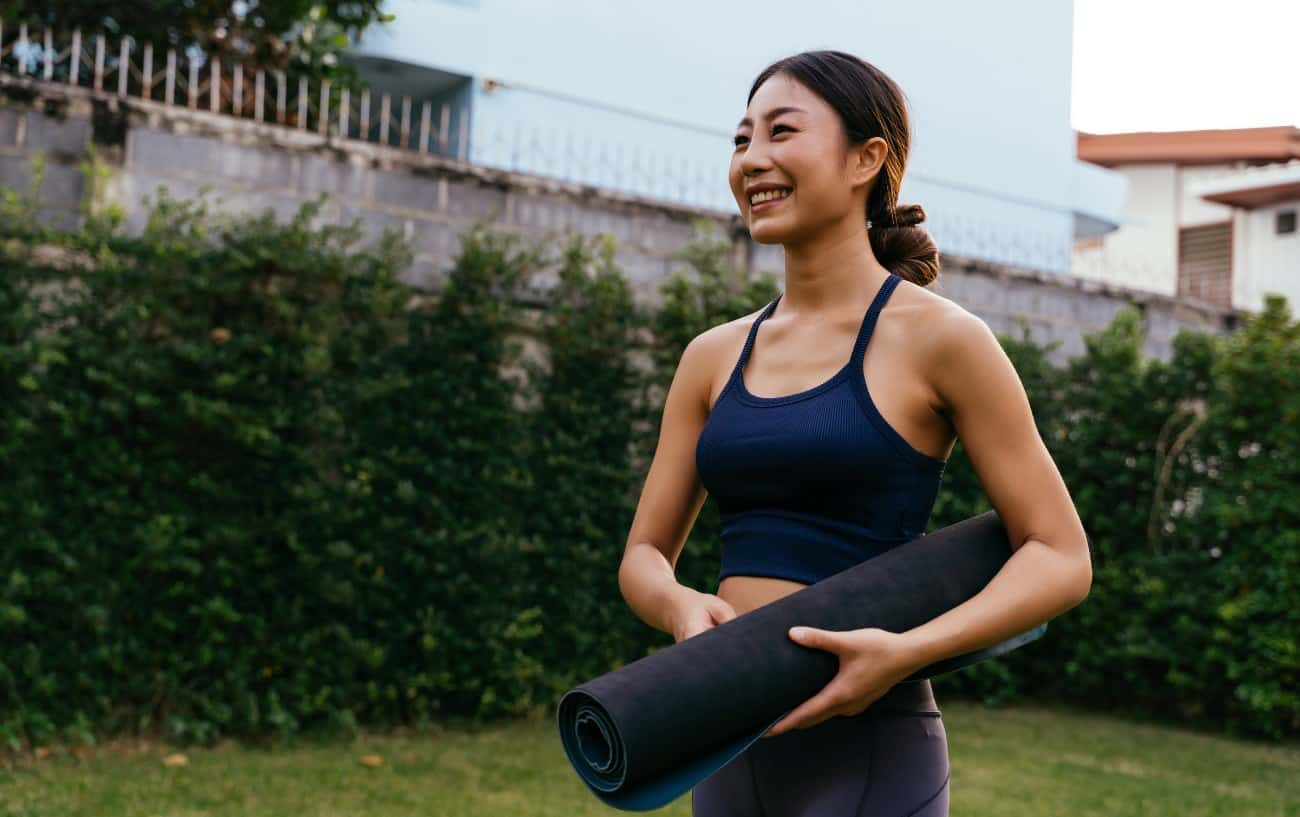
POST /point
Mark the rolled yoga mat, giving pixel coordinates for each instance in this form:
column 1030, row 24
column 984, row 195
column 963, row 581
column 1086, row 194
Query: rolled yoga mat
column 646, row 733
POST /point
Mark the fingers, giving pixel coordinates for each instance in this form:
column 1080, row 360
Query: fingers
column 694, row 630
column 720, row 611
column 813, row 637
column 811, row 712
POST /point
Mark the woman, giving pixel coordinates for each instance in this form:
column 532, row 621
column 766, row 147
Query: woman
column 814, row 472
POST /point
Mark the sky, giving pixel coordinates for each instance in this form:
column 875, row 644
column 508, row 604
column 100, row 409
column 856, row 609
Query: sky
column 1162, row 65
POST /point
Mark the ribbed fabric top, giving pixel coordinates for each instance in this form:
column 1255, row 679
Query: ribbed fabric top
column 811, row 483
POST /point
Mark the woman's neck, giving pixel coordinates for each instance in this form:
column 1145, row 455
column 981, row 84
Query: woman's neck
column 835, row 271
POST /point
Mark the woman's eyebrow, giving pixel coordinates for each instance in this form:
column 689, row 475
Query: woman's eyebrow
column 772, row 114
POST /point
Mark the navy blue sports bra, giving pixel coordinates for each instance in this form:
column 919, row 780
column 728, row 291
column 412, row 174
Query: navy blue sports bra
column 812, row 483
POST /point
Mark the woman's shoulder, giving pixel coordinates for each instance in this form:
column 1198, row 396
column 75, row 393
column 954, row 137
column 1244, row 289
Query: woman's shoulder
column 935, row 320
column 939, row 337
column 950, row 343
column 722, row 339
column 708, row 357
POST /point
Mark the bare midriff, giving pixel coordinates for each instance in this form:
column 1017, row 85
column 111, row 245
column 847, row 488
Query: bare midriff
column 746, row 593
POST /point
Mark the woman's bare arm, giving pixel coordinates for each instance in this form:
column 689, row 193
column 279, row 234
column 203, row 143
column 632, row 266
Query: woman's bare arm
column 672, row 495
column 1050, row 570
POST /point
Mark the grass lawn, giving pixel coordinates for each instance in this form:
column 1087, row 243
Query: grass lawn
column 1020, row 760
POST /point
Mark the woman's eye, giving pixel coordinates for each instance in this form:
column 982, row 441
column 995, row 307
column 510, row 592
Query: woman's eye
column 775, row 128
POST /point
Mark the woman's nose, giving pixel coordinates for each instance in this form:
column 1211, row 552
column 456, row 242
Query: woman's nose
column 753, row 159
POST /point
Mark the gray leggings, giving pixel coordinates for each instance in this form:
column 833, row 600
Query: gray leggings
column 890, row 760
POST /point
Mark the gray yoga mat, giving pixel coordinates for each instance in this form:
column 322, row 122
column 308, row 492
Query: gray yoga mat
column 648, row 732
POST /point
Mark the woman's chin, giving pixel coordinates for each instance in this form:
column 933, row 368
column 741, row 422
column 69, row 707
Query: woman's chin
column 763, row 231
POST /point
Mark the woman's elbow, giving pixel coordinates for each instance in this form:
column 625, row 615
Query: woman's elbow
column 1081, row 583
column 1085, row 584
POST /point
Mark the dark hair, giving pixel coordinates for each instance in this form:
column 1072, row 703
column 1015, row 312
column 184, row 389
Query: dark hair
column 871, row 104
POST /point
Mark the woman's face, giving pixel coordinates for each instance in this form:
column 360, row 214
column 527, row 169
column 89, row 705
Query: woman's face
column 805, row 151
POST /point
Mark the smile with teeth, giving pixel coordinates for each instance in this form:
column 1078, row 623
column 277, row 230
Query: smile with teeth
column 766, row 196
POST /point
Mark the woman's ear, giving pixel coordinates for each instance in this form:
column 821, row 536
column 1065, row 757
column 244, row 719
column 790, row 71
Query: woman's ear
column 867, row 159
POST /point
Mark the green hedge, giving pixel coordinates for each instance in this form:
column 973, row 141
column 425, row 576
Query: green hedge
column 252, row 485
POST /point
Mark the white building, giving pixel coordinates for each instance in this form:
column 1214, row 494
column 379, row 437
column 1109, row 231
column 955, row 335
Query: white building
column 645, row 98
column 1211, row 214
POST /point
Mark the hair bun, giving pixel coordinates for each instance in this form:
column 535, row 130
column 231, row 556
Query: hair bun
column 904, row 215
column 910, row 253
column 908, row 215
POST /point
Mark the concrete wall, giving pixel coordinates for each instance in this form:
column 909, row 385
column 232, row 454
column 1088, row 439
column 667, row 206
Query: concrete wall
column 431, row 200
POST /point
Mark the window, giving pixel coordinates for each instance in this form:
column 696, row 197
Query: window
column 1205, row 262
column 1285, row 222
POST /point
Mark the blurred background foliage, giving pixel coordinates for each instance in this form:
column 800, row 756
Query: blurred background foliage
column 252, row 485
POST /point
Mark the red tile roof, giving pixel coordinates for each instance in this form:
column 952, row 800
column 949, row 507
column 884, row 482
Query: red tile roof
column 1272, row 144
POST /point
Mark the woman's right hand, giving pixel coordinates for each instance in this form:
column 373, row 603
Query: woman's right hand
column 694, row 612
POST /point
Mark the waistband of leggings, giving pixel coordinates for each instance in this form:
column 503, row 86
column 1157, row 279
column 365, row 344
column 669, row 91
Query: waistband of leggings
column 906, row 698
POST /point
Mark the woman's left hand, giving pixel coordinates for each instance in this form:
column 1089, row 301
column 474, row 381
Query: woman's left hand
column 871, row 662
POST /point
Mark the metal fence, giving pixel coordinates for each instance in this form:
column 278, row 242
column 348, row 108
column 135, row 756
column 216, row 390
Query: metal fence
column 199, row 81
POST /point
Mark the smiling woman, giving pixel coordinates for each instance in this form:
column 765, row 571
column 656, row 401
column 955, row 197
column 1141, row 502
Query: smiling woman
column 821, row 426
column 839, row 112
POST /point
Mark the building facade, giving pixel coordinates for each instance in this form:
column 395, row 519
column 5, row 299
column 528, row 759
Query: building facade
column 1211, row 214
column 644, row 98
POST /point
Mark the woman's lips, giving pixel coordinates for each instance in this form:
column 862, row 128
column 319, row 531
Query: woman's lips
column 764, row 205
